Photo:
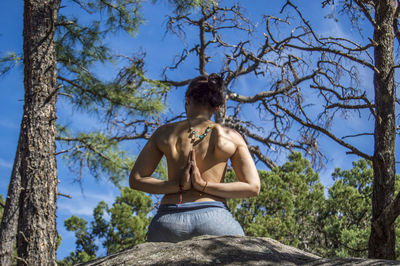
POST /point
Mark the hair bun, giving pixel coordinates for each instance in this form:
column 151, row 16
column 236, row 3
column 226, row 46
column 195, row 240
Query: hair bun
column 207, row 90
column 215, row 82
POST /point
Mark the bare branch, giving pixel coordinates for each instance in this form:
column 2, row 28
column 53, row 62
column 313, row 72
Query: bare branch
column 358, row 135
column 289, row 3
column 64, row 195
column 63, row 151
column 265, row 94
column 345, row 106
column 366, row 12
column 175, row 83
column 326, row 132
column 267, row 161
column 336, row 52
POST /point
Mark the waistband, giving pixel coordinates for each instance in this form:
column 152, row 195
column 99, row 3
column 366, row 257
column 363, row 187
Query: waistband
column 191, row 206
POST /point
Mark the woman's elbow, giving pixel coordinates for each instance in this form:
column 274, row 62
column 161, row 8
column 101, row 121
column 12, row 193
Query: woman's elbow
column 255, row 190
column 133, row 180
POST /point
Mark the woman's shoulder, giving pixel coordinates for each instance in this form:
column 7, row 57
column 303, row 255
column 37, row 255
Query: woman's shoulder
column 166, row 131
column 169, row 127
column 229, row 133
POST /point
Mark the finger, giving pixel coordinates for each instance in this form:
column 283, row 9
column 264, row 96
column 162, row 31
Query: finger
column 188, row 169
column 194, row 157
column 189, row 162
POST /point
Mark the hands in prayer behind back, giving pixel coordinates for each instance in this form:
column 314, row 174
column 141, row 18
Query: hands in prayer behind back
column 191, row 174
column 185, row 181
column 197, row 181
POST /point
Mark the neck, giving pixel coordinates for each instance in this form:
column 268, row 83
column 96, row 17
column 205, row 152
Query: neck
column 198, row 118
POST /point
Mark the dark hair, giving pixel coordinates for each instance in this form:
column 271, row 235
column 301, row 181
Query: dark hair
column 207, row 90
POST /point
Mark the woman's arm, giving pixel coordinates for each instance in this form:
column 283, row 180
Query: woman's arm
column 147, row 161
column 245, row 170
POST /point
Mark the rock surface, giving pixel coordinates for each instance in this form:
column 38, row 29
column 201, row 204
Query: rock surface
column 226, row 250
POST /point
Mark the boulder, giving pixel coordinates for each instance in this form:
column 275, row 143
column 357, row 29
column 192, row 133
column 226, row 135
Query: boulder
column 225, row 250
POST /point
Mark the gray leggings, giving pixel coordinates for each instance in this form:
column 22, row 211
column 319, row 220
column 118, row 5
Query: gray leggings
column 178, row 222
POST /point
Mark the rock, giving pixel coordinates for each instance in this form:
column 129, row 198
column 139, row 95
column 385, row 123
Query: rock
column 225, row 250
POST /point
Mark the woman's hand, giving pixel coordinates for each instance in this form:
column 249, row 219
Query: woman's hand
column 197, row 181
column 185, row 180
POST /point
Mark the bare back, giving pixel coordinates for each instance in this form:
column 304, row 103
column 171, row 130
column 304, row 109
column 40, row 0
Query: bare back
column 212, row 155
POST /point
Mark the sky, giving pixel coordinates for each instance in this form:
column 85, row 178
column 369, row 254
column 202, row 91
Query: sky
column 160, row 50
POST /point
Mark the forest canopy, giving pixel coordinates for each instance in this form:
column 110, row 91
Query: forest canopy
column 291, row 208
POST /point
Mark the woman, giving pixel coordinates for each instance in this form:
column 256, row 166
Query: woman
column 197, row 151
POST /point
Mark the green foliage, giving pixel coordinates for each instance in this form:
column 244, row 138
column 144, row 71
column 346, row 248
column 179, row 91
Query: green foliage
column 161, row 171
column 81, row 46
column 348, row 211
column 8, row 62
column 128, row 223
column 119, row 14
column 187, row 6
column 117, row 100
column 292, row 208
column 101, row 155
column 119, row 227
column 85, row 242
column 287, row 206
column 347, row 216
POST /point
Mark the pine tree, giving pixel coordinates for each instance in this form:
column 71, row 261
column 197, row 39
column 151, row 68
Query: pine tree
column 37, row 232
column 118, row 227
column 75, row 48
column 292, row 208
column 346, row 219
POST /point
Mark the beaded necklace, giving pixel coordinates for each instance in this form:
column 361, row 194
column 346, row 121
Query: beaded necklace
column 196, row 136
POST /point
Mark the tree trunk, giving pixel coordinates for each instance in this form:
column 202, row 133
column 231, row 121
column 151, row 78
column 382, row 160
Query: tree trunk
column 36, row 237
column 9, row 222
column 382, row 238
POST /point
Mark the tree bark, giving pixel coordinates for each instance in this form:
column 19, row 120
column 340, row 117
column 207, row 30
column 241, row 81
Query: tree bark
column 36, row 236
column 9, row 222
column 382, row 238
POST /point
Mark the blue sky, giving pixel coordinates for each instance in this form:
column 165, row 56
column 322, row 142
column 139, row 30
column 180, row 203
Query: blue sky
column 160, row 52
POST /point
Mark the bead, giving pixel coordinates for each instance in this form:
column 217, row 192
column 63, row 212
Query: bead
column 193, row 134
